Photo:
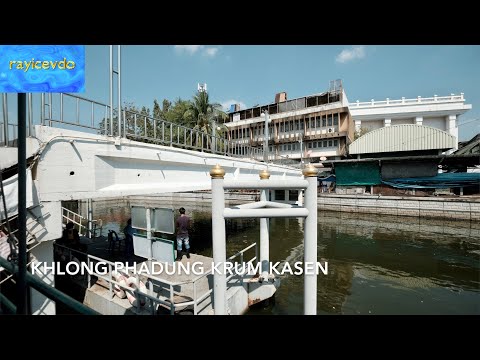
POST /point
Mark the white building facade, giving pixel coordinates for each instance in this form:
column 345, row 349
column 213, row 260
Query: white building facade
column 439, row 112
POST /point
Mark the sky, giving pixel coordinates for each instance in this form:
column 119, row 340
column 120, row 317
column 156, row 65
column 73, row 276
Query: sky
column 253, row 74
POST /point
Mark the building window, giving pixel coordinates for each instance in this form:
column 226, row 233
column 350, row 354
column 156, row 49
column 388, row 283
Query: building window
column 314, row 144
column 279, row 194
column 329, row 121
column 335, row 119
column 324, row 121
column 335, row 143
column 293, row 195
column 320, row 144
column 325, row 144
column 281, row 127
column 330, row 143
column 318, row 121
column 289, row 146
column 309, row 145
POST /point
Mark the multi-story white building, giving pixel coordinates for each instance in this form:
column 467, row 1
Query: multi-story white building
column 323, row 125
column 440, row 112
column 310, row 127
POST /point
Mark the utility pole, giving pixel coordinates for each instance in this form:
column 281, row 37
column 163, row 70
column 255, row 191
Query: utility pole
column 265, row 137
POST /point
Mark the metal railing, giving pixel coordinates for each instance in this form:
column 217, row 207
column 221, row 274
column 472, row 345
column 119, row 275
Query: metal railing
column 403, row 101
column 96, row 116
column 47, row 290
column 63, row 109
column 82, row 223
column 162, row 284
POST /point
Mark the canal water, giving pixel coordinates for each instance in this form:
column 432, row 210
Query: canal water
column 376, row 264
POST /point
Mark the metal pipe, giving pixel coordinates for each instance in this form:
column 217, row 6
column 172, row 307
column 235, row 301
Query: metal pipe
column 90, row 217
column 22, row 207
column 50, row 107
column 92, row 117
column 270, row 184
column 264, row 235
column 218, row 241
column 111, row 90
column 78, row 111
column 61, row 107
column 119, row 85
column 310, row 242
column 254, row 205
column 264, row 213
column 149, row 234
column 30, row 114
column 49, row 291
column 265, row 138
column 8, row 304
column 5, row 119
column 42, row 109
column 272, row 204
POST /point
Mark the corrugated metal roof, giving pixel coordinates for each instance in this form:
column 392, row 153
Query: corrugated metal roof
column 406, row 137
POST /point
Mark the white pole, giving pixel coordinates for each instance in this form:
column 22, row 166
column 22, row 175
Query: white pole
column 265, row 138
column 111, row 91
column 310, row 234
column 149, row 233
column 264, row 232
column 218, row 241
column 119, row 90
column 90, row 218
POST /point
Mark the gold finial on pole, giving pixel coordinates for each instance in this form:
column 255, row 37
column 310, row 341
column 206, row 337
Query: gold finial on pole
column 264, row 174
column 217, row 172
column 310, row 170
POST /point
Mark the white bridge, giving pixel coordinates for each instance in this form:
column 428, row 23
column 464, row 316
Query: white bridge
column 76, row 151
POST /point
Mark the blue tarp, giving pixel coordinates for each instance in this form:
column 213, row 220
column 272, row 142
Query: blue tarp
column 440, row 181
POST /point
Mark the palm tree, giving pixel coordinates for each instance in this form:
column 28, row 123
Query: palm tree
column 204, row 116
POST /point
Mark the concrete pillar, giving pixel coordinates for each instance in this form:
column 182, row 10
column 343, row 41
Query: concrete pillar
column 419, row 120
column 387, row 122
column 310, row 239
column 264, row 232
column 358, row 124
column 218, row 241
column 451, row 128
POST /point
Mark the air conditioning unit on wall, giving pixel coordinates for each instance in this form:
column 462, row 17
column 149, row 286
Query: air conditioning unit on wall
column 331, row 130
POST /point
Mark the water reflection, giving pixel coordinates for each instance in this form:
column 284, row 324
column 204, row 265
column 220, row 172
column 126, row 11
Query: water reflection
column 377, row 264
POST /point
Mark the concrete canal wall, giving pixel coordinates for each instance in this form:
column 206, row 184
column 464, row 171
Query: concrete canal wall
column 428, row 207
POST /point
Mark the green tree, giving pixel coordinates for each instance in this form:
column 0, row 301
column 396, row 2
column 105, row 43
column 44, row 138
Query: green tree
column 207, row 116
column 157, row 111
column 360, row 132
column 166, row 105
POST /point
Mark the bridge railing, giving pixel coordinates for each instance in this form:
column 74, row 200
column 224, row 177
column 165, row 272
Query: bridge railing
column 403, row 101
column 73, row 111
column 69, row 109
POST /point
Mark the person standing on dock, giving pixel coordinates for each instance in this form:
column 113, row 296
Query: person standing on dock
column 182, row 225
